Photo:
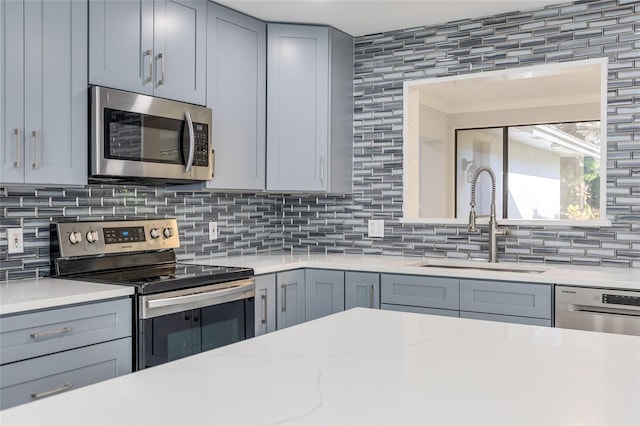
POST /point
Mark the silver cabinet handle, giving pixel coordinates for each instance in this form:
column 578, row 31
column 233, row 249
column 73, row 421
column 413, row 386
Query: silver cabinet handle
column 18, row 161
column 284, row 298
column 50, row 333
column 36, row 140
column 149, row 54
column 64, row 387
column 263, row 297
column 192, row 142
column 161, row 58
column 322, row 169
column 371, row 296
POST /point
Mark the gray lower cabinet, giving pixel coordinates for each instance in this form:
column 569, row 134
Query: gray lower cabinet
column 420, row 291
column 47, row 352
column 420, row 310
column 361, row 289
column 43, row 92
column 511, row 299
column 236, row 92
column 324, row 293
column 506, row 318
column 48, row 375
column 290, row 292
column 265, row 304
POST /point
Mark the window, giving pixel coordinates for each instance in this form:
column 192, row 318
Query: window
column 544, row 171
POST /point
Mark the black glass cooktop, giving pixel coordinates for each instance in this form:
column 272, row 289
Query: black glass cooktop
column 177, row 276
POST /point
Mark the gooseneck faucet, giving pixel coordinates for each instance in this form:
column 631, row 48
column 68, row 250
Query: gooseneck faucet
column 494, row 230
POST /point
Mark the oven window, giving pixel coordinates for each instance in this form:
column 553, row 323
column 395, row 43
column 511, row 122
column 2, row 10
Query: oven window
column 139, row 137
column 173, row 336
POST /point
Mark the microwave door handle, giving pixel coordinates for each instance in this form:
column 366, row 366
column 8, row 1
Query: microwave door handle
column 192, row 142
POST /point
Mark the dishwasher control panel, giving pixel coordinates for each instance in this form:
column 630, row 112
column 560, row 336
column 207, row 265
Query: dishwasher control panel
column 616, row 299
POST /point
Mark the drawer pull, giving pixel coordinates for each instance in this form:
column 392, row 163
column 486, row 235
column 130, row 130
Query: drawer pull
column 64, row 387
column 51, row 333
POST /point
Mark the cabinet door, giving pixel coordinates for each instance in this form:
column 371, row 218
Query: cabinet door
column 297, row 101
column 265, row 318
column 38, row 333
column 291, row 300
column 361, row 289
column 180, row 50
column 56, row 116
column 506, row 318
column 421, row 310
column 121, row 44
column 506, row 298
column 11, row 92
column 37, row 378
column 324, row 293
column 236, row 92
column 414, row 290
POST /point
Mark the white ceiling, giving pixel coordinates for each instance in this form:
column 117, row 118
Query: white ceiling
column 361, row 17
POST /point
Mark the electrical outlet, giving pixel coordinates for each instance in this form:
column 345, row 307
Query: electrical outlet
column 213, row 231
column 14, row 238
column 376, row 228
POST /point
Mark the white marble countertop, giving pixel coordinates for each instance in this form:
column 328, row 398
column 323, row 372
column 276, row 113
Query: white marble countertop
column 40, row 293
column 373, row 367
column 585, row 276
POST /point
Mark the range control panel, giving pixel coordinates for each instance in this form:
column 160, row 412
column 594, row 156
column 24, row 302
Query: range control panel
column 97, row 238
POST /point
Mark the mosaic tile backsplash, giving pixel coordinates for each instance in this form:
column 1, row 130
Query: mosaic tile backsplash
column 250, row 223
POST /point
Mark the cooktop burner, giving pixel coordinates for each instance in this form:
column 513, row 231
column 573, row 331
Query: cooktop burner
column 172, row 277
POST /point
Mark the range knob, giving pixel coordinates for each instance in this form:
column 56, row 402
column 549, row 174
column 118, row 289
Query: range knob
column 92, row 236
column 154, row 233
column 75, row 237
column 168, row 232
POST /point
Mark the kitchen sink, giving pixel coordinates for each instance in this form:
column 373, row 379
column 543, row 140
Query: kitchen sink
column 495, row 267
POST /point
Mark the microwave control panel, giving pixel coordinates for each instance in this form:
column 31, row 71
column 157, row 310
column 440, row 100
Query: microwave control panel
column 201, row 137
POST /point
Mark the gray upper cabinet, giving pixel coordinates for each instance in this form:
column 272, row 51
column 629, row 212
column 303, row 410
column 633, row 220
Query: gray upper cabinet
column 361, row 289
column 310, row 109
column 236, row 92
column 152, row 47
column 43, row 92
column 265, row 304
column 324, row 293
column 291, row 298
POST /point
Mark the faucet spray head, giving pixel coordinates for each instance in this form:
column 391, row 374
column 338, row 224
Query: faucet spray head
column 472, row 220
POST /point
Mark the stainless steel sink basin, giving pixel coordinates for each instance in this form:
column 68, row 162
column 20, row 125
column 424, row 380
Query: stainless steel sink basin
column 486, row 267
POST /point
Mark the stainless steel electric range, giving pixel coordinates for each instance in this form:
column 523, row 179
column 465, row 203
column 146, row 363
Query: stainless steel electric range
column 179, row 309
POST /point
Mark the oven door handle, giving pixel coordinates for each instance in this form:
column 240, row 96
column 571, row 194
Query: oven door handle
column 215, row 297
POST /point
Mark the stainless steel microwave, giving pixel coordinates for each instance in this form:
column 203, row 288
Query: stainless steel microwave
column 139, row 138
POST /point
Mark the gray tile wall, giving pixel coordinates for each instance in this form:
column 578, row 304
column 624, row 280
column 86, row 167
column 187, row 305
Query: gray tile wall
column 337, row 224
column 246, row 223
column 568, row 31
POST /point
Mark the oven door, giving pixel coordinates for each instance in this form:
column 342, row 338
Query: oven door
column 180, row 323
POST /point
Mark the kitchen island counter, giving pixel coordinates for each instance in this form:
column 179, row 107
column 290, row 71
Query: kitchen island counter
column 366, row 366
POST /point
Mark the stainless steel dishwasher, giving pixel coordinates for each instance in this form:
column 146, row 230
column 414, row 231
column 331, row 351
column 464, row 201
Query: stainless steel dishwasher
column 598, row 309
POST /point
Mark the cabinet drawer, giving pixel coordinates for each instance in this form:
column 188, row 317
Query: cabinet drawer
column 507, row 298
column 413, row 290
column 40, row 333
column 40, row 377
column 419, row 310
column 506, row 318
